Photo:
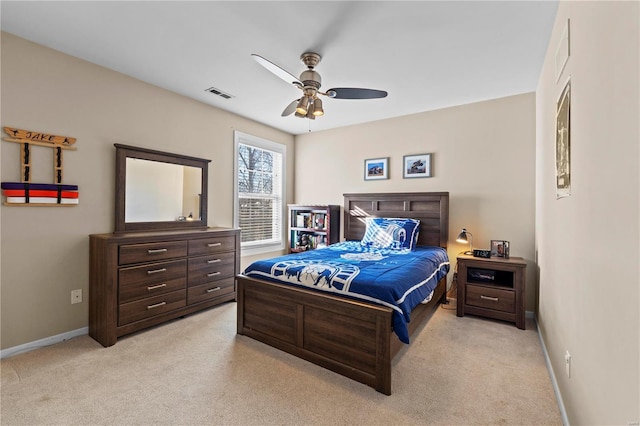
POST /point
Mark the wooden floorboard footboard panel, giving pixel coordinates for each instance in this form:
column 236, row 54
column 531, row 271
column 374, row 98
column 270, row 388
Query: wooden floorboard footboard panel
column 349, row 337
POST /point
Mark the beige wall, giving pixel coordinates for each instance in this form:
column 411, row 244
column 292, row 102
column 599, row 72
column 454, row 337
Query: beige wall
column 483, row 155
column 45, row 250
column 588, row 243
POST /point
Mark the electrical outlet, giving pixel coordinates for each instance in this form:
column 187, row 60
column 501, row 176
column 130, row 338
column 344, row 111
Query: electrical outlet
column 567, row 363
column 76, row 296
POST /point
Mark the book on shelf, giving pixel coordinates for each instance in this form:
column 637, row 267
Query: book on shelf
column 302, row 241
column 320, row 221
column 303, row 220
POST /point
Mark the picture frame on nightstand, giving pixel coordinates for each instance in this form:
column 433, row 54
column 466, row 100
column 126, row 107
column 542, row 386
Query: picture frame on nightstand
column 500, row 248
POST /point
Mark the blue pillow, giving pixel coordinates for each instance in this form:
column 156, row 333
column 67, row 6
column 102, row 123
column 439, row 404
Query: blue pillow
column 391, row 233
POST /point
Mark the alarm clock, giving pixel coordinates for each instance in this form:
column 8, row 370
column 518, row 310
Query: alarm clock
column 481, row 253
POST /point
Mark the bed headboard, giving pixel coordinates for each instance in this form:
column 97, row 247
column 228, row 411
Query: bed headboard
column 432, row 208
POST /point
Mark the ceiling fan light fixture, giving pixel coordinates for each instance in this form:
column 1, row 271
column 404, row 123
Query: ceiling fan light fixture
column 310, row 114
column 303, row 105
column 317, row 107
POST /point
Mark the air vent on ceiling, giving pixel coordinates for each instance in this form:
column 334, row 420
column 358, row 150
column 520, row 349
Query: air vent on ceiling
column 219, row 93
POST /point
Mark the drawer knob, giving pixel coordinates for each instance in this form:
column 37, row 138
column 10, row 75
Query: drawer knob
column 493, row 299
column 214, row 260
column 155, row 251
column 211, row 290
column 157, row 305
column 156, row 271
column 213, row 274
column 214, row 244
column 154, row 287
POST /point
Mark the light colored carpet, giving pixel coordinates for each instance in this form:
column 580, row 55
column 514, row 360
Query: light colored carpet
column 196, row 371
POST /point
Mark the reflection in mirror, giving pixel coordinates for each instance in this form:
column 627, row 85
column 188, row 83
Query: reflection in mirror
column 161, row 191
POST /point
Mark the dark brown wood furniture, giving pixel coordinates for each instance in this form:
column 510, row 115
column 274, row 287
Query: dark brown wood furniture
column 492, row 288
column 360, row 343
column 154, row 270
column 320, row 225
column 125, row 153
column 142, row 279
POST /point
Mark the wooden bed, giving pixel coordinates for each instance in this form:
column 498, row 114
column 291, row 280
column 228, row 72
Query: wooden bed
column 360, row 343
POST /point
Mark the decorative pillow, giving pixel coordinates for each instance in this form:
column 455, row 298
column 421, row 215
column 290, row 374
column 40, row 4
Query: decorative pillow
column 391, row 233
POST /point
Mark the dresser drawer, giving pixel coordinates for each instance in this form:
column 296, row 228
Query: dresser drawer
column 204, row 269
column 131, row 292
column 211, row 290
column 151, row 252
column 491, row 298
column 145, row 308
column 211, row 245
column 152, row 273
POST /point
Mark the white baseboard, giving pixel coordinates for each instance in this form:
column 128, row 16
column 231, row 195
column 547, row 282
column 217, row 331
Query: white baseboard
column 48, row 341
column 554, row 382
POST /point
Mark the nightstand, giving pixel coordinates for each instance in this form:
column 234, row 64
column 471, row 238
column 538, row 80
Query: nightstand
column 492, row 288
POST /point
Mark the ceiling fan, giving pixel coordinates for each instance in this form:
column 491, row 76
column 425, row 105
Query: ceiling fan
column 309, row 105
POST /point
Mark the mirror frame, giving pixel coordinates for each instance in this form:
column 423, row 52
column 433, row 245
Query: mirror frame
column 125, row 151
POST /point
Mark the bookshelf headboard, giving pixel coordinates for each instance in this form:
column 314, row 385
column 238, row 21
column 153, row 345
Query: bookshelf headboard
column 432, row 208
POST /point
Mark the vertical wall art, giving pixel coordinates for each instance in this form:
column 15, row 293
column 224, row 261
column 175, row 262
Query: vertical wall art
column 563, row 143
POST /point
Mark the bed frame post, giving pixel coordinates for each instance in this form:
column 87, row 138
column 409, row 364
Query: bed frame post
column 383, row 356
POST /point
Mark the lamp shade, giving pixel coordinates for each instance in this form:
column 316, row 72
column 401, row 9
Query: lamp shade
column 317, row 107
column 466, row 237
column 303, row 105
column 462, row 236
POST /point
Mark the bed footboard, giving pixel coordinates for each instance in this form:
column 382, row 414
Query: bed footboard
column 348, row 337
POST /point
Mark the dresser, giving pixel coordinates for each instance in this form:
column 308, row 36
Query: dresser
column 142, row 279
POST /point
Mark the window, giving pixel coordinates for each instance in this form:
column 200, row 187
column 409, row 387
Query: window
column 259, row 191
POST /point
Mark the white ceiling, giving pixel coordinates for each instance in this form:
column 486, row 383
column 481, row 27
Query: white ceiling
column 426, row 54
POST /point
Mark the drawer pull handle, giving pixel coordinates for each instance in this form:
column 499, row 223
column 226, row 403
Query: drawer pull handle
column 214, row 244
column 154, row 287
column 155, row 271
column 214, row 260
column 155, row 251
column 211, row 290
column 213, row 274
column 157, row 305
column 493, row 299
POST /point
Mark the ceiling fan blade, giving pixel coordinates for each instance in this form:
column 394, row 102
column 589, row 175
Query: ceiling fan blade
column 290, row 108
column 355, row 93
column 285, row 75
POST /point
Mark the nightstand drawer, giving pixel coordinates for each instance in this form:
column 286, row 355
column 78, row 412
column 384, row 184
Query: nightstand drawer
column 491, row 298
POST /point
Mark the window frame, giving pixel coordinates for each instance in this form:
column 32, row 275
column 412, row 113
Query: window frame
column 252, row 248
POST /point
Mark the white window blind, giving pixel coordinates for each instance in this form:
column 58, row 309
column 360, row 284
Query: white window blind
column 259, row 192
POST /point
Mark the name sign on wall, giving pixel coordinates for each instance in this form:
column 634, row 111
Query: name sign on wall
column 26, row 193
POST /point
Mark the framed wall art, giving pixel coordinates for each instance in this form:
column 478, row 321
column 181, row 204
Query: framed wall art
column 376, row 168
column 416, row 166
column 563, row 143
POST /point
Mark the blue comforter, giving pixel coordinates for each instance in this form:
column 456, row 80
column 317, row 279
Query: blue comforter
column 399, row 279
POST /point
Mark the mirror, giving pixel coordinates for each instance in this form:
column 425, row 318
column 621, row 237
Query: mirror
column 159, row 190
